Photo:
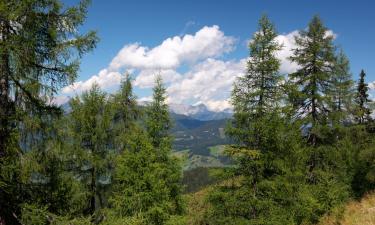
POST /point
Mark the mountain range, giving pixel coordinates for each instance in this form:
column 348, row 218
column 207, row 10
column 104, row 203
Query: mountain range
column 197, row 132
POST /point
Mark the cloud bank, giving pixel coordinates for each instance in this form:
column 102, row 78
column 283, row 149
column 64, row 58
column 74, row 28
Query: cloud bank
column 207, row 77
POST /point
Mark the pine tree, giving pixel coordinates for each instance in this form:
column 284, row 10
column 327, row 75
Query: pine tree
column 340, row 90
column 158, row 125
column 258, row 92
column 147, row 178
column 362, row 112
column 91, row 131
column 127, row 112
column 315, row 56
column 158, row 121
column 40, row 48
column 261, row 138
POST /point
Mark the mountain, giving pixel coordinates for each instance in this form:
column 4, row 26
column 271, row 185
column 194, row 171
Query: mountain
column 199, row 112
column 195, row 127
column 197, row 135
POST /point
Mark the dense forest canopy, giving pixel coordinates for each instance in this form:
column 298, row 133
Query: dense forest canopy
column 302, row 143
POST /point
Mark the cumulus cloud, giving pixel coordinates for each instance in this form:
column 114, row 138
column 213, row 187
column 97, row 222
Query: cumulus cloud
column 208, row 82
column 105, row 79
column 371, row 85
column 207, row 42
column 208, row 78
column 164, row 59
column 288, row 43
column 145, row 78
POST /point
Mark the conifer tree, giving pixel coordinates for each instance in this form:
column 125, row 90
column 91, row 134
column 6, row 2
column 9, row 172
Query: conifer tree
column 261, row 138
column 340, row 90
column 126, row 113
column 315, row 56
column 362, row 112
column 158, row 121
column 92, row 132
column 257, row 92
column 158, row 125
column 147, row 178
column 40, row 48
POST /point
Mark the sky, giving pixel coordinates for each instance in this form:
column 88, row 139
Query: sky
column 200, row 47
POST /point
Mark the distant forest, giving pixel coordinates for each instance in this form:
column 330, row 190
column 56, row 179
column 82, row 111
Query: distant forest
column 301, row 144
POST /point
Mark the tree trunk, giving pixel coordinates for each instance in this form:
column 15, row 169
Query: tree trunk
column 93, row 191
column 5, row 105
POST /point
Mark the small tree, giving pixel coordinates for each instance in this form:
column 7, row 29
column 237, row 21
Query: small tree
column 362, row 111
column 126, row 113
column 340, row 90
column 158, row 121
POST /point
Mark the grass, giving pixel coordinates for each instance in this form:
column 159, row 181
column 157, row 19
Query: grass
column 217, row 150
column 354, row 213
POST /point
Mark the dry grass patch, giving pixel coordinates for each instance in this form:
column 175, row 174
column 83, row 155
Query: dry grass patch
column 354, row 213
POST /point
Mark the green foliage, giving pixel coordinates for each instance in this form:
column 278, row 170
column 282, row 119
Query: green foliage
column 315, row 55
column 340, row 90
column 298, row 152
column 91, row 131
column 158, row 121
column 40, row 48
column 257, row 92
column 126, row 113
column 362, row 111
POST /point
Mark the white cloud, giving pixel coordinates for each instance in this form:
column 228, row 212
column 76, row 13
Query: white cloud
column 164, row 59
column 288, row 43
column 371, row 85
column 207, row 42
column 146, row 78
column 287, row 40
column 208, row 79
column 59, row 100
column 208, row 82
column 105, row 79
column 218, row 105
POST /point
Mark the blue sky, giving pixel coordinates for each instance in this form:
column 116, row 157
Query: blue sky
column 149, row 23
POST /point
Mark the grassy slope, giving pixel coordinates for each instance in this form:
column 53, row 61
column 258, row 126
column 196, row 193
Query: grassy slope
column 354, row 213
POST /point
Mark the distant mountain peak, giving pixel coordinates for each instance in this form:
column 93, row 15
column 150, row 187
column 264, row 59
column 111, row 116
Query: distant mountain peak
column 199, row 111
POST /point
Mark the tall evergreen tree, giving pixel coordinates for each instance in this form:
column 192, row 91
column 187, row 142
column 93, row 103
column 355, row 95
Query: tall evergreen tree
column 158, row 122
column 341, row 89
column 263, row 147
column 40, row 48
column 316, row 58
column 258, row 92
column 147, row 178
column 127, row 112
column 362, row 112
column 92, row 132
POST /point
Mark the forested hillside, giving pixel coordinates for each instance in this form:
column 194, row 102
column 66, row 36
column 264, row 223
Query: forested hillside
column 298, row 147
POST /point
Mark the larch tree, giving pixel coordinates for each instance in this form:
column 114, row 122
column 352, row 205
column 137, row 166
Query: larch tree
column 257, row 92
column 158, row 122
column 315, row 55
column 341, row 89
column 40, row 48
column 126, row 113
column 147, row 178
column 257, row 129
column 91, row 131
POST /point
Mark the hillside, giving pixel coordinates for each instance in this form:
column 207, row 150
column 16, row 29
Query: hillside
column 353, row 213
column 197, row 135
